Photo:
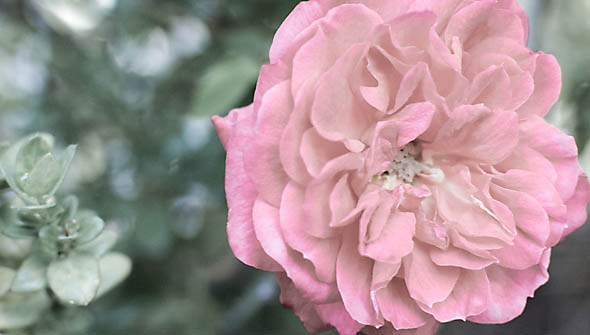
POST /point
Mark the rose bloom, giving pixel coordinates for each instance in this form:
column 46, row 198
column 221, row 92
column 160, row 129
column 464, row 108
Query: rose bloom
column 395, row 170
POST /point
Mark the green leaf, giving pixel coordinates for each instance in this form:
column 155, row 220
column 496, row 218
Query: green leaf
column 14, row 249
column 100, row 245
column 74, row 279
column 34, row 149
column 224, row 84
column 31, row 274
column 18, row 310
column 48, row 238
column 70, row 206
column 65, row 162
column 43, row 178
column 114, row 268
column 6, row 277
column 20, row 231
column 90, row 227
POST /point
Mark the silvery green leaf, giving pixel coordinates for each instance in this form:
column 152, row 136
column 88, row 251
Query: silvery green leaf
column 20, row 231
column 6, row 277
column 31, row 274
column 48, row 238
column 43, row 178
column 14, row 248
column 74, row 279
column 7, row 167
column 70, row 206
column 31, row 152
column 18, row 310
column 114, row 268
column 100, row 245
column 90, row 227
column 65, row 162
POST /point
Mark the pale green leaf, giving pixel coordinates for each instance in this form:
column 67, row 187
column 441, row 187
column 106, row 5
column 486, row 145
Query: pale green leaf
column 224, row 84
column 14, row 248
column 34, row 149
column 31, row 274
column 74, row 279
column 70, row 206
column 41, row 180
column 18, row 310
column 90, row 227
column 6, row 277
column 100, row 245
column 65, row 162
column 114, row 268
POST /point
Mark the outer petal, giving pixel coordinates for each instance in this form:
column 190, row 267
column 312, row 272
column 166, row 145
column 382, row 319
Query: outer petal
column 336, row 315
column 509, row 290
column 291, row 298
column 235, row 130
column 469, row 297
column 577, row 205
column 267, row 227
column 261, row 158
column 304, row 14
column 547, row 87
column 399, row 308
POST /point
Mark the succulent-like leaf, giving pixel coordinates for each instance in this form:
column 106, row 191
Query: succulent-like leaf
column 74, row 279
column 90, row 227
column 18, row 310
column 31, row 274
column 114, row 268
column 41, row 180
column 100, row 245
column 65, row 162
column 70, row 206
column 30, row 152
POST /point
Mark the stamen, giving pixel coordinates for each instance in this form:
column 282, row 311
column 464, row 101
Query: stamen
column 405, row 168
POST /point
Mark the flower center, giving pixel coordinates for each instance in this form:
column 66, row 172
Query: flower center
column 406, row 167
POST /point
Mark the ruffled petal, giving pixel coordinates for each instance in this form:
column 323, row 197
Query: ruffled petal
column 469, row 297
column 322, row 253
column 547, row 79
column 241, row 193
column 353, row 275
column 426, row 281
column 478, row 134
column 509, row 290
column 399, row 308
column 268, row 232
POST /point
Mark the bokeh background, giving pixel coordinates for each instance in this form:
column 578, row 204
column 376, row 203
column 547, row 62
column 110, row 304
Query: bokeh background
column 134, row 82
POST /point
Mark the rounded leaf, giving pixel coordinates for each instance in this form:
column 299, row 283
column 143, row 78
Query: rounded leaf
column 114, row 268
column 18, row 310
column 31, row 275
column 74, row 279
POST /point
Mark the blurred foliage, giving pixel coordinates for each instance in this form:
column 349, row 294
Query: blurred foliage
column 134, row 83
column 54, row 256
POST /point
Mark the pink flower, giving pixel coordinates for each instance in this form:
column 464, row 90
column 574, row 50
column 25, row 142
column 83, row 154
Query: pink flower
column 395, row 169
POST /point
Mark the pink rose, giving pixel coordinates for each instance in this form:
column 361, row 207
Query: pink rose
column 395, row 169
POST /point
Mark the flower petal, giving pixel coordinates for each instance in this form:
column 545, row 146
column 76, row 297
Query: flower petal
column 426, row 281
column 353, row 275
